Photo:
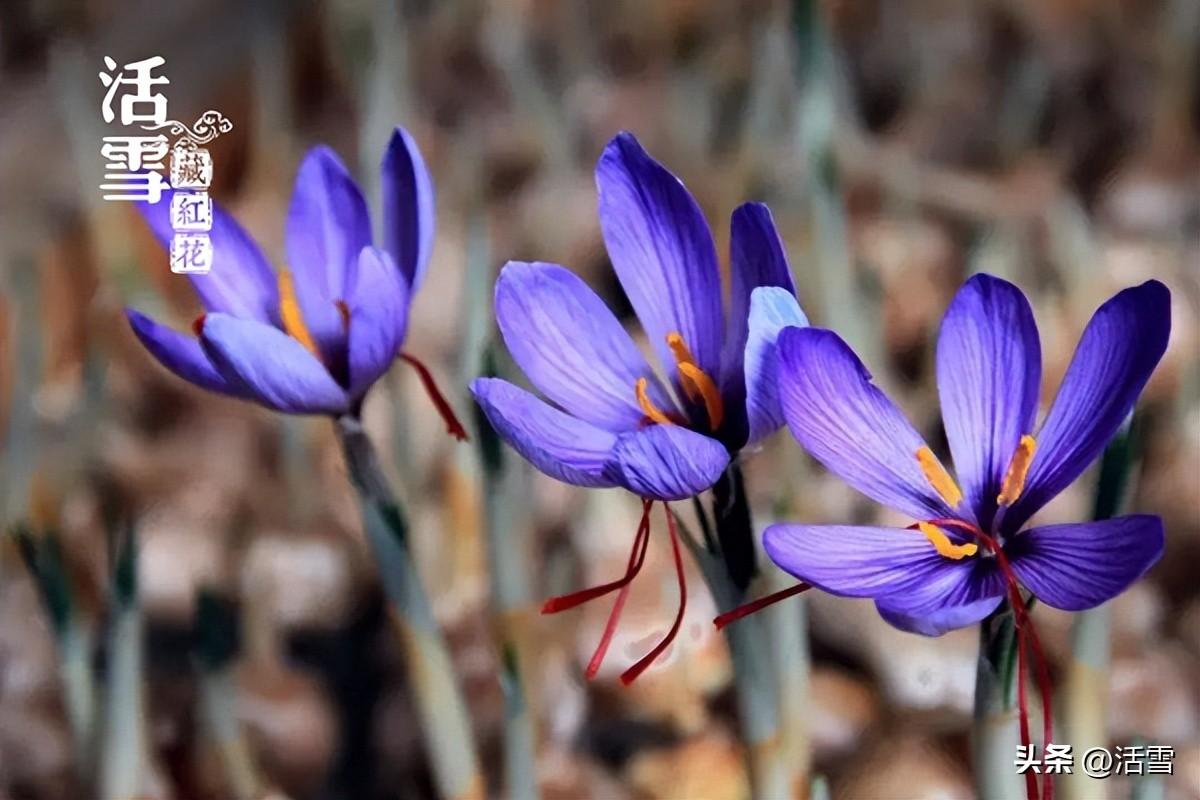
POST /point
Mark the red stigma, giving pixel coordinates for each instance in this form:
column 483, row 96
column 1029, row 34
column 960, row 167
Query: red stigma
column 637, row 556
column 453, row 426
column 630, row 675
column 754, row 606
column 1027, row 638
column 198, row 324
column 344, row 310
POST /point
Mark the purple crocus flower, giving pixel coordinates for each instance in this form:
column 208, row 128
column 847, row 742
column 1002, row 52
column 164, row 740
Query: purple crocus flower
column 610, row 420
column 315, row 338
column 970, row 546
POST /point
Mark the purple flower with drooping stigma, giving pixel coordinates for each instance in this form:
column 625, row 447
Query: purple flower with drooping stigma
column 969, row 548
column 610, row 420
column 311, row 339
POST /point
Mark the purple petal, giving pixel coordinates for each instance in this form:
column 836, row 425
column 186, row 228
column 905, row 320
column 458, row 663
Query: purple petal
column 771, row 310
column 855, row 560
column 989, row 368
column 975, row 595
column 662, row 251
column 378, row 305
column 270, row 366
column 179, row 353
column 756, row 259
column 563, row 447
column 667, row 462
column 1079, row 566
column 327, row 227
column 571, row 346
column 849, row 425
column 1119, row 349
column 408, row 207
column 241, row 282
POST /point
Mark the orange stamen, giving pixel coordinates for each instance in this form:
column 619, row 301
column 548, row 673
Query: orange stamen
column 698, row 385
column 941, row 542
column 1018, row 469
column 289, row 313
column 653, row 412
column 938, row 478
column 453, row 426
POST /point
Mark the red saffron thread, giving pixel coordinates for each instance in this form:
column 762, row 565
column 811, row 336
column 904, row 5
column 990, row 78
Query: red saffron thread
column 754, row 606
column 453, row 426
column 631, row 674
column 563, row 602
column 636, row 555
column 1025, row 633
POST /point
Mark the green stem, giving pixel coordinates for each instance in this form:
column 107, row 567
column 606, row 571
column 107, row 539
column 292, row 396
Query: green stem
column 508, row 555
column 123, row 746
column 728, row 573
column 440, row 703
column 995, row 734
column 1085, row 686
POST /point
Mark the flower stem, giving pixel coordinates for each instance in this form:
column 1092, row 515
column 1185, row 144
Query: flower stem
column 123, row 758
column 440, row 703
column 728, row 574
column 506, row 528
column 1086, row 681
column 995, row 734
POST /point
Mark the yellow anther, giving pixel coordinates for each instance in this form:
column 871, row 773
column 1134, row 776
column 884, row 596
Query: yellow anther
column 648, row 408
column 679, row 348
column 289, row 312
column 938, row 478
column 697, row 382
column 1018, row 469
column 941, row 542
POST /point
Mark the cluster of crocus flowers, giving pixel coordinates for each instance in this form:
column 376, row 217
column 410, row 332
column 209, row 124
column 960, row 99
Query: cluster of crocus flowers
column 610, row 420
column 313, row 338
column 968, row 548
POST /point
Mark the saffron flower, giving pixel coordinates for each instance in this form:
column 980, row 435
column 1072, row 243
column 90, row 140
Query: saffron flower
column 314, row 338
column 610, row 420
column 969, row 547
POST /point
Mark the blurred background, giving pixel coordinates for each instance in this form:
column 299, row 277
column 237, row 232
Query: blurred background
column 902, row 145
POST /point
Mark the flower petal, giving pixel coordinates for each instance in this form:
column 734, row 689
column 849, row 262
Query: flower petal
column 1079, row 566
column 179, row 353
column 771, row 310
column 756, row 258
column 989, row 369
column 667, row 462
column 563, row 447
column 409, row 211
column 662, row 251
column 849, row 425
column 961, row 594
column 241, row 281
column 854, row 560
column 1116, row 354
column 973, row 593
column 327, row 227
column 571, row 346
column 378, row 305
column 270, row 366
